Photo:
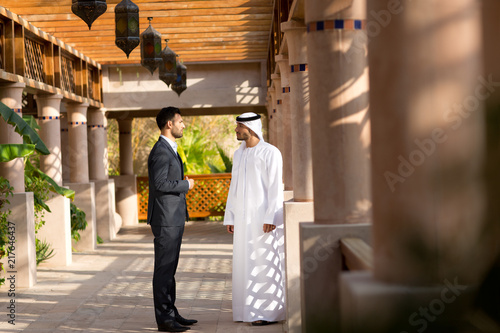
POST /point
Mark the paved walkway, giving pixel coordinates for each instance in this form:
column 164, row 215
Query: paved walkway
column 109, row 290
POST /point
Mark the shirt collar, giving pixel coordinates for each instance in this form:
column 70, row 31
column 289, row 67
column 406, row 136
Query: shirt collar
column 172, row 144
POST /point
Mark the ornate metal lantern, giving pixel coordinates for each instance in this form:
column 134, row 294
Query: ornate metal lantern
column 150, row 48
column 180, row 83
column 89, row 10
column 127, row 26
column 168, row 67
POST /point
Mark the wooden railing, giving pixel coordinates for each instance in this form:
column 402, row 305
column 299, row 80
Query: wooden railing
column 207, row 198
column 45, row 63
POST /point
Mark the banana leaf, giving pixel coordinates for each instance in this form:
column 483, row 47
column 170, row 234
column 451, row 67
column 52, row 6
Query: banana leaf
column 8, row 152
column 54, row 187
column 31, row 121
column 22, row 127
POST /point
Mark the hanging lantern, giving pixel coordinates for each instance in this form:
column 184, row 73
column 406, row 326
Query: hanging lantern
column 180, row 83
column 88, row 10
column 168, row 67
column 127, row 26
column 150, row 48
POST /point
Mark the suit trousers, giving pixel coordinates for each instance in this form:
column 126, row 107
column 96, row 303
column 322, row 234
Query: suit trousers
column 167, row 245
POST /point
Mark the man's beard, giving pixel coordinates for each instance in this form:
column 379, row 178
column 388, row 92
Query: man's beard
column 177, row 134
column 242, row 137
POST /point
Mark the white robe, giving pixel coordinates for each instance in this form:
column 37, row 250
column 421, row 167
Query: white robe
column 256, row 198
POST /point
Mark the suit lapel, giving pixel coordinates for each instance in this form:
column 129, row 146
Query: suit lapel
column 174, row 154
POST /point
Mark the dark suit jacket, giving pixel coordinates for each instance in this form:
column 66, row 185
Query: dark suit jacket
column 167, row 189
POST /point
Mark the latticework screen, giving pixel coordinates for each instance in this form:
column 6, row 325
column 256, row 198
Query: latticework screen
column 91, row 83
column 207, row 198
column 68, row 77
column 33, row 59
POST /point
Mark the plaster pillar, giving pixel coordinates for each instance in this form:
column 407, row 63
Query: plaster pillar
column 104, row 187
column 78, row 146
column 13, row 171
column 340, row 141
column 125, row 138
column 286, row 119
column 301, row 208
column 126, row 183
column 428, row 144
column 430, row 217
column 278, row 115
column 49, row 115
column 79, row 173
column 273, row 128
column 340, row 121
column 57, row 228
column 295, row 33
column 269, row 119
column 97, row 141
column 65, row 146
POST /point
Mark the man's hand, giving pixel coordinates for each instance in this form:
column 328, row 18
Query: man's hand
column 230, row 229
column 269, row 227
column 191, row 182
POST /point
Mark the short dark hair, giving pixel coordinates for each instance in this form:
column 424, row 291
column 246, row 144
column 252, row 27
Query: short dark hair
column 166, row 114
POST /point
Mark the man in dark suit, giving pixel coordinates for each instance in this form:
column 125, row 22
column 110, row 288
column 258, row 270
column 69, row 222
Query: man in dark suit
column 167, row 213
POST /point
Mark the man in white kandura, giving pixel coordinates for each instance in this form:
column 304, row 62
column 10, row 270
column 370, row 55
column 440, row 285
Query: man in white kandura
column 254, row 215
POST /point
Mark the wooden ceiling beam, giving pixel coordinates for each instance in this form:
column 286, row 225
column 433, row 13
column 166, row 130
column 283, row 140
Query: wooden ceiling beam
column 171, row 4
column 203, row 30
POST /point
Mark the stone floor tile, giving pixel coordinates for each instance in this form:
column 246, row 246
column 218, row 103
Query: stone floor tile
column 110, row 290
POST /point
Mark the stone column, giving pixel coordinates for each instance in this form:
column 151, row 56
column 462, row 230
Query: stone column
column 273, row 128
column 48, row 107
column 430, row 235
column 491, row 30
column 340, row 140
column 125, row 138
column 278, row 115
column 78, row 146
column 104, row 187
column 126, row 183
column 97, row 141
column 340, row 121
column 79, row 173
column 65, row 147
column 295, row 33
column 286, row 119
column 106, row 149
column 301, row 209
column 269, row 118
column 428, row 144
column 13, row 171
column 57, row 228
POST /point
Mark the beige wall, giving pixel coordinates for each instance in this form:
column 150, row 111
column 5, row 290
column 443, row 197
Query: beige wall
column 218, row 85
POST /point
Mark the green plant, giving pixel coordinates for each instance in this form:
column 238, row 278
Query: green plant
column 29, row 134
column 78, row 222
column 228, row 163
column 199, row 154
column 35, row 180
column 5, row 192
column 43, row 251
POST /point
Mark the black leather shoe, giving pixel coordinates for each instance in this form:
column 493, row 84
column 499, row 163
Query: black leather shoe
column 184, row 321
column 263, row 323
column 171, row 326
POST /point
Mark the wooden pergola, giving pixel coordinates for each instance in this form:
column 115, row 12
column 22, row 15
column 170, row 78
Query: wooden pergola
column 206, row 30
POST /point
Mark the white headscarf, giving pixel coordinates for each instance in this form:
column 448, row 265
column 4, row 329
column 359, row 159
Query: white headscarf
column 253, row 122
